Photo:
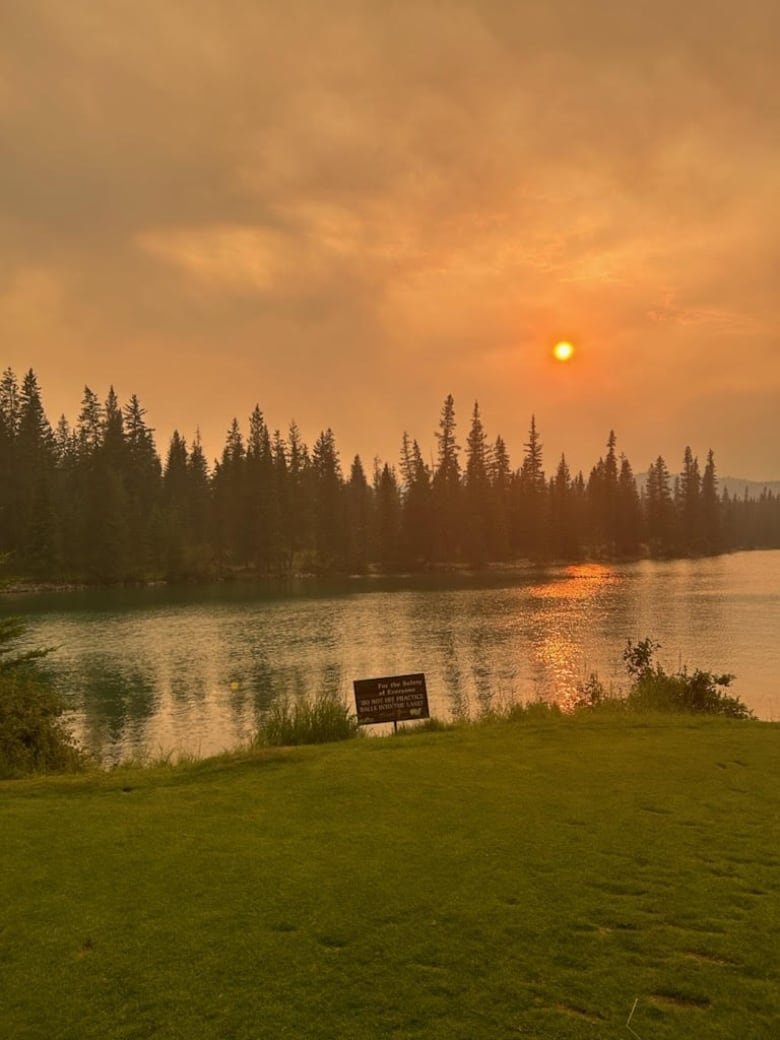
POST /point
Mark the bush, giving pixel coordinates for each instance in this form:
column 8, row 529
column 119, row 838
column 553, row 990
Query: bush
column 697, row 691
column 319, row 721
column 33, row 738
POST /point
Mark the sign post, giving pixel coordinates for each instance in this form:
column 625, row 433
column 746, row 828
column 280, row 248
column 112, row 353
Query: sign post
column 393, row 698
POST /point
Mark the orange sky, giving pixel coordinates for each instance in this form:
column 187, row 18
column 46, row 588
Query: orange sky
column 345, row 211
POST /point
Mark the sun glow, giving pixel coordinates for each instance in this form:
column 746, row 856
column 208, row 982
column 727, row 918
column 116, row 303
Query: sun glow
column 563, row 351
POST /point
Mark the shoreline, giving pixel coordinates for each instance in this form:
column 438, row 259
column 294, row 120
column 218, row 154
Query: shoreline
column 15, row 586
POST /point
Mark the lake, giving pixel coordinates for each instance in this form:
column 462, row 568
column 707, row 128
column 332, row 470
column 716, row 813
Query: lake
column 193, row 669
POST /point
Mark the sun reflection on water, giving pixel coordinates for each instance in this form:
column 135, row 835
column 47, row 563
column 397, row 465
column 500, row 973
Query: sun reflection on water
column 199, row 672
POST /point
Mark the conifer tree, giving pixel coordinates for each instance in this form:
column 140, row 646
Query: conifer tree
column 446, row 487
column 659, row 509
column 417, row 528
column 143, row 484
column 531, row 510
column 9, row 430
column 360, row 533
column 500, row 480
column 627, row 512
column 710, row 508
column 687, row 503
column 388, row 516
column 299, row 516
column 260, row 493
column 230, row 512
column 564, row 541
column 329, row 539
column 477, row 532
column 37, row 533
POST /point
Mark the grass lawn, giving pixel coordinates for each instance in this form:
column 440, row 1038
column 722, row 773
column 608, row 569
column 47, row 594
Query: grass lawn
column 515, row 880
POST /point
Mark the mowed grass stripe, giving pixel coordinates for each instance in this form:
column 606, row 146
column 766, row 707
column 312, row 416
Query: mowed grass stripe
column 517, row 879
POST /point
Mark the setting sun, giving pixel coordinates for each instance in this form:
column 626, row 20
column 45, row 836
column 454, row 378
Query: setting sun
column 563, row 351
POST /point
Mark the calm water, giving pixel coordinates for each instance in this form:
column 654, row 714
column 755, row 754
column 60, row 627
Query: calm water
column 159, row 669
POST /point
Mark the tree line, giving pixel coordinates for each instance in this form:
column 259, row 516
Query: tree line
column 96, row 502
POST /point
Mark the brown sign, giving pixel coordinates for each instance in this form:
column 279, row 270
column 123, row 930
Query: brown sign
column 394, row 698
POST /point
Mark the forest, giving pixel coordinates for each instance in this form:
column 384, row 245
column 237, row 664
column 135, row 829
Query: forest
column 97, row 503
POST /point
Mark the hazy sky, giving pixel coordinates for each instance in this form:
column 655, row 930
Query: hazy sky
column 345, row 211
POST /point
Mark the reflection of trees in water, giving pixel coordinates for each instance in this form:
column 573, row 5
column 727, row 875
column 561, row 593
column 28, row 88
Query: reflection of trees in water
column 115, row 702
column 167, row 678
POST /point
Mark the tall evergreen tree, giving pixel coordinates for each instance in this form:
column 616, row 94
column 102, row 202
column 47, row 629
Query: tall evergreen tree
column 564, row 541
column 627, row 512
column 710, row 508
column 359, row 519
column 446, row 487
column 659, row 509
column 9, row 474
column 329, row 534
column 500, row 478
column 417, row 526
column 531, row 510
column 230, row 507
column 262, row 534
column 687, row 503
column 477, row 529
column 388, row 517
column 34, row 458
column 143, row 484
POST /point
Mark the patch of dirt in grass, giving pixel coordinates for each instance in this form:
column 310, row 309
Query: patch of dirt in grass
column 664, row 999
column 655, row 810
column 88, row 946
column 580, row 1013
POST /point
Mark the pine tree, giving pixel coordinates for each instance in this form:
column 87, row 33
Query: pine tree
column 659, row 509
column 143, row 484
column 37, row 533
column 329, row 535
column 260, row 493
column 627, row 512
column 299, row 515
column 446, row 487
column 564, row 542
column 9, row 490
column 477, row 531
column 359, row 519
column 531, row 508
column 388, row 517
column 500, row 479
column 417, row 525
column 687, row 503
column 710, row 508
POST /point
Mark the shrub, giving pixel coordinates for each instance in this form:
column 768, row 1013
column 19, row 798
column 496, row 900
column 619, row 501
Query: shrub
column 33, row 738
column 319, row 721
column 11, row 629
column 655, row 690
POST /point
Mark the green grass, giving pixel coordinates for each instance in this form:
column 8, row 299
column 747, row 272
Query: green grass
column 529, row 879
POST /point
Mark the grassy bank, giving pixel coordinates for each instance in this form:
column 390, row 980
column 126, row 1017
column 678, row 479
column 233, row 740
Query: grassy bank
column 528, row 879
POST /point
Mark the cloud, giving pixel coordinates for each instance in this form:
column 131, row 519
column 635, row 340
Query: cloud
column 399, row 194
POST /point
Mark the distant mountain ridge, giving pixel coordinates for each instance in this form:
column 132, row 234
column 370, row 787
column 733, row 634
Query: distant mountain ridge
column 736, row 486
